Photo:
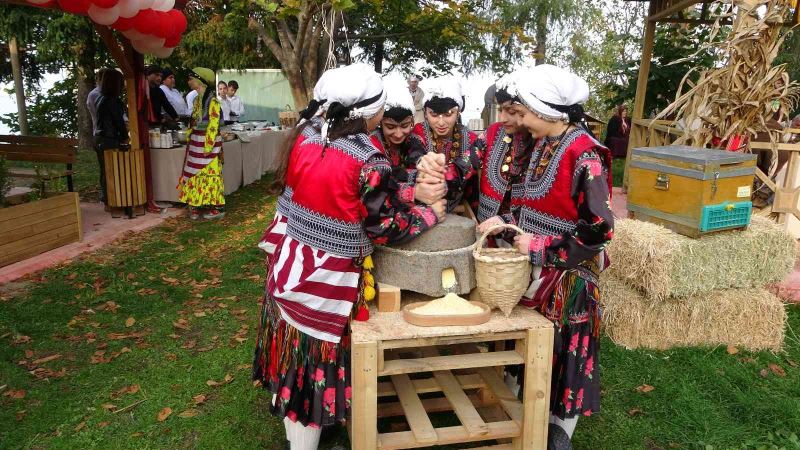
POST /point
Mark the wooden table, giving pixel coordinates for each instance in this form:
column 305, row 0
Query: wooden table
column 463, row 368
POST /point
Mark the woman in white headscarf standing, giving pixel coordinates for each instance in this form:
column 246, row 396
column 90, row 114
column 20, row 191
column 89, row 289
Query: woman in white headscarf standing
column 404, row 148
column 343, row 201
column 442, row 133
column 563, row 205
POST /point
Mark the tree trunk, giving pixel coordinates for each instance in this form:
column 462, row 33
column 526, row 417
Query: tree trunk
column 379, row 56
column 22, row 110
column 298, row 88
column 541, row 38
column 85, row 81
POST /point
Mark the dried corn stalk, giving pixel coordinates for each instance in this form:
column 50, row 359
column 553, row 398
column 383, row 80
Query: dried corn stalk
column 742, row 95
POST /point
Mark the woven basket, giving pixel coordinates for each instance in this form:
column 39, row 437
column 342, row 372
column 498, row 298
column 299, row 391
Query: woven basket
column 502, row 275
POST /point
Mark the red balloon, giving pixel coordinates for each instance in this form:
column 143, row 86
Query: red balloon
column 166, row 26
column 146, row 21
column 173, row 40
column 74, row 6
column 105, row 3
column 123, row 24
column 178, row 19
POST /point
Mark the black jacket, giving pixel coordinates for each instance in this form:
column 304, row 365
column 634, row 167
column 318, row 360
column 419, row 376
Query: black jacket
column 159, row 101
column 111, row 128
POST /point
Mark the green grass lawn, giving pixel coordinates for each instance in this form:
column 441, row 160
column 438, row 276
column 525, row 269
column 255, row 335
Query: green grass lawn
column 91, row 352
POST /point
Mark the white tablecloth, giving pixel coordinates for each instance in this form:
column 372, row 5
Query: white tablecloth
column 245, row 162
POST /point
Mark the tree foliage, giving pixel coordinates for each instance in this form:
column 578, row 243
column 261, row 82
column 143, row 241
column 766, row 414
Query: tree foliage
column 50, row 113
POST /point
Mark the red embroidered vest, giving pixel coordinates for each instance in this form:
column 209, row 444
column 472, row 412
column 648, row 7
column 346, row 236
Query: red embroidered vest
column 326, row 211
column 545, row 206
column 423, row 132
column 492, row 186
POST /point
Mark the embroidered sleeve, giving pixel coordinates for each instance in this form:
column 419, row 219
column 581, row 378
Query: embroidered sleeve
column 389, row 219
column 461, row 176
column 595, row 219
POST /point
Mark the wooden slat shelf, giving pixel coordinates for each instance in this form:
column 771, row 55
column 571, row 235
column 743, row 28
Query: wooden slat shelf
column 412, row 365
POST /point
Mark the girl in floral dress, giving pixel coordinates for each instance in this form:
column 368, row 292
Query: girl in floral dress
column 562, row 202
column 344, row 200
column 201, row 185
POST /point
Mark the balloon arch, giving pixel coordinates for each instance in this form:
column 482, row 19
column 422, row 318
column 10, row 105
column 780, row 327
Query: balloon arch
column 152, row 26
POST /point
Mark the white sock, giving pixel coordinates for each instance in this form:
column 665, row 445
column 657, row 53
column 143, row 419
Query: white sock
column 511, row 382
column 300, row 437
column 568, row 425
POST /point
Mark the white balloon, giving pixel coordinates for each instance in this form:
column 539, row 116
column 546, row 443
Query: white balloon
column 139, row 46
column 163, row 52
column 104, row 16
column 163, row 5
column 128, row 8
column 38, row 2
column 144, row 4
column 148, row 43
column 134, row 35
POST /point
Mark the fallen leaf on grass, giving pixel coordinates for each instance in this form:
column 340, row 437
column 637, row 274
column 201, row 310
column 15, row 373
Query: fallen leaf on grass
column 170, row 356
column 172, row 281
column 131, row 276
column 645, row 388
column 777, row 370
column 29, row 353
column 72, row 276
column 732, row 350
column 108, row 406
column 182, row 324
column 80, row 426
column 103, row 424
column 189, row 413
column 200, row 314
column 147, row 291
column 763, row 373
column 199, row 399
column 228, row 379
column 16, row 394
column 162, row 416
column 244, row 367
column 21, row 415
column 189, row 344
column 129, row 322
column 21, row 339
column 41, row 361
column 635, row 411
column 108, row 306
column 132, row 389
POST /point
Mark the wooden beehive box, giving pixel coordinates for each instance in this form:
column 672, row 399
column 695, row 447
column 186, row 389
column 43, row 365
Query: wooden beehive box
column 692, row 191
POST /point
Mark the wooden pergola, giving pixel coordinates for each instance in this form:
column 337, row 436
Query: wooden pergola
column 131, row 63
column 646, row 132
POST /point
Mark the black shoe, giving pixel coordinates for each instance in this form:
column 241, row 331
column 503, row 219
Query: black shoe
column 557, row 438
column 287, row 445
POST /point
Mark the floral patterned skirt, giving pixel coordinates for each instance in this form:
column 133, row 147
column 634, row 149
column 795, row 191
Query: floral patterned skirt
column 204, row 189
column 575, row 383
column 311, row 377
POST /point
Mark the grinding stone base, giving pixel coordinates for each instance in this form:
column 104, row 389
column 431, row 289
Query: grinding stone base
column 422, row 271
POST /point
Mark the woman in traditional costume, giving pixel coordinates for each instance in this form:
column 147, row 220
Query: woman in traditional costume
column 562, row 202
column 201, row 185
column 443, row 133
column 344, row 200
column 404, row 148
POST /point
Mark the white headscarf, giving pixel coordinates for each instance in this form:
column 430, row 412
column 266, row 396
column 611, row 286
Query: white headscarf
column 344, row 87
column 445, row 87
column 546, row 83
column 319, row 102
column 397, row 94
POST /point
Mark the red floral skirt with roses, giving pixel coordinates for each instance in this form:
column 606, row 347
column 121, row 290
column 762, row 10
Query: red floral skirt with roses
column 573, row 309
column 310, row 377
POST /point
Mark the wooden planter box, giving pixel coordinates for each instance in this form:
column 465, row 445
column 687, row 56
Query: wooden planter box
column 36, row 227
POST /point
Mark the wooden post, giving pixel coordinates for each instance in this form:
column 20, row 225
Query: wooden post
column 19, row 88
column 537, row 349
column 364, row 430
column 641, row 82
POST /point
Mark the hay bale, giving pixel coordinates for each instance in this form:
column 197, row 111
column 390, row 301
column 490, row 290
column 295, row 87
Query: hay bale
column 752, row 319
column 665, row 264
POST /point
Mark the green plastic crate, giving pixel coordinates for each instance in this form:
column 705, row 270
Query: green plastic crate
column 726, row 215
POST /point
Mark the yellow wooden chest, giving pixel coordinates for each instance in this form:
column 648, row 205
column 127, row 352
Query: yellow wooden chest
column 692, row 191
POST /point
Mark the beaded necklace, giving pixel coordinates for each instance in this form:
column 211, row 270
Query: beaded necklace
column 441, row 145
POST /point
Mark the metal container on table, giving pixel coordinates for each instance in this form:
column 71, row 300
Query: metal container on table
column 692, row 191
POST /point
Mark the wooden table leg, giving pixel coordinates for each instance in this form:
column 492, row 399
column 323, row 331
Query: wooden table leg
column 537, row 349
column 364, row 408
